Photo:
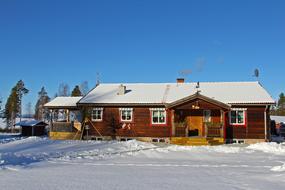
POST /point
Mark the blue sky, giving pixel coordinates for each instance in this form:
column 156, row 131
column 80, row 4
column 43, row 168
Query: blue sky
column 46, row 43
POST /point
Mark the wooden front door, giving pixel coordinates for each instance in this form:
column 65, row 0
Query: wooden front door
column 195, row 125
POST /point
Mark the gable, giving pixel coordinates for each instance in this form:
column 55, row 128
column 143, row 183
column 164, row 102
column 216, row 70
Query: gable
column 198, row 101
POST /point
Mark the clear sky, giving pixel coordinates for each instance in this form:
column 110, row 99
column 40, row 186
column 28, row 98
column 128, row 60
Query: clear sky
column 47, row 42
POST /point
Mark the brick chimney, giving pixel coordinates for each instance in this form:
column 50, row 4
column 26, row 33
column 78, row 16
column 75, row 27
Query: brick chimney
column 121, row 90
column 180, row 80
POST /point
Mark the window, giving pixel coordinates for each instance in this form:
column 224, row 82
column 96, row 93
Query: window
column 126, row 114
column 158, row 116
column 207, row 116
column 237, row 117
column 97, row 114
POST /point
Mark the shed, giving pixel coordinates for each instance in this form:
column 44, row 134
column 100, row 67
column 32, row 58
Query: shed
column 32, row 127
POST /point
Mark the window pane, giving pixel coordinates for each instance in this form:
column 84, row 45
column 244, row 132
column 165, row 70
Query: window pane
column 155, row 114
column 123, row 115
column 161, row 116
column 233, row 116
column 158, row 117
column 126, row 115
column 97, row 114
column 155, row 119
column 240, row 117
column 161, row 119
column 207, row 115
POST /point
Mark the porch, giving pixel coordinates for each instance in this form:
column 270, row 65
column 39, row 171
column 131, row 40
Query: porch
column 198, row 120
column 65, row 124
column 199, row 123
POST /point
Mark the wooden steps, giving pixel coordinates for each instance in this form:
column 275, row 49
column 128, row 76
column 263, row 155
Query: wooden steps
column 64, row 135
column 196, row 141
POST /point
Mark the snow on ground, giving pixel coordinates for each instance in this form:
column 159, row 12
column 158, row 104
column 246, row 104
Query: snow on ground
column 40, row 163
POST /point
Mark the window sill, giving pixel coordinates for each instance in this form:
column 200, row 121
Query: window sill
column 158, row 124
column 238, row 125
column 97, row 120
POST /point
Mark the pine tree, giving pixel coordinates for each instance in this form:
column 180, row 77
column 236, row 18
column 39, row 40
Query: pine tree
column 13, row 106
column 41, row 113
column 76, row 91
column 281, row 105
column 21, row 90
column 1, row 111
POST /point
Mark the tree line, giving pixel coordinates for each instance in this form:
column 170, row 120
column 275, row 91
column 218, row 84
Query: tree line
column 13, row 106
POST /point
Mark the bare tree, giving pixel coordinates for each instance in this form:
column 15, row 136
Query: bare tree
column 63, row 90
column 41, row 113
column 29, row 109
column 84, row 89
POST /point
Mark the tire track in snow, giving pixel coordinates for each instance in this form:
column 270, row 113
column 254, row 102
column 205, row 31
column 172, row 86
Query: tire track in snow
column 160, row 165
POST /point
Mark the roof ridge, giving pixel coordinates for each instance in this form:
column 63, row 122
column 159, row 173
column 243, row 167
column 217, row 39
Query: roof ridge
column 166, row 83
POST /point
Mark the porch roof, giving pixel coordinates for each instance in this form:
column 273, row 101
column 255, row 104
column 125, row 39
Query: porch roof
column 63, row 102
column 200, row 97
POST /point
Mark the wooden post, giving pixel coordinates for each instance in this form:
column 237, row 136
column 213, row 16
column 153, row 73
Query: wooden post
column 223, row 123
column 173, row 123
column 206, row 130
column 265, row 124
column 33, row 131
column 67, row 113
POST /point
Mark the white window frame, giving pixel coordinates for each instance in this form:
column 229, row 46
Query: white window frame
column 237, row 110
column 93, row 113
column 121, row 114
column 209, row 115
column 159, row 110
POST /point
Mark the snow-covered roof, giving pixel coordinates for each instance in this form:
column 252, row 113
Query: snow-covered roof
column 278, row 119
column 161, row 93
column 30, row 123
column 63, row 102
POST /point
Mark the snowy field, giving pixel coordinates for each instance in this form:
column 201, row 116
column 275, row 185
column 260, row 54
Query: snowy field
column 39, row 163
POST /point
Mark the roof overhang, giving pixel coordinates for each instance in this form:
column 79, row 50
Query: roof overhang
column 252, row 104
column 200, row 97
column 61, row 107
column 120, row 104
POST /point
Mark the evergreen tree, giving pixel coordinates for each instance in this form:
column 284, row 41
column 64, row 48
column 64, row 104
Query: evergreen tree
column 13, row 107
column 76, row 91
column 1, row 111
column 21, row 90
column 41, row 113
column 0, row 103
column 281, row 105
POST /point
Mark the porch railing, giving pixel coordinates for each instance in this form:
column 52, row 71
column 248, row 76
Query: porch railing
column 210, row 130
column 214, row 131
column 62, row 127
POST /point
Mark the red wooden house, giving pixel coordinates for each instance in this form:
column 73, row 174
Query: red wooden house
column 178, row 112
